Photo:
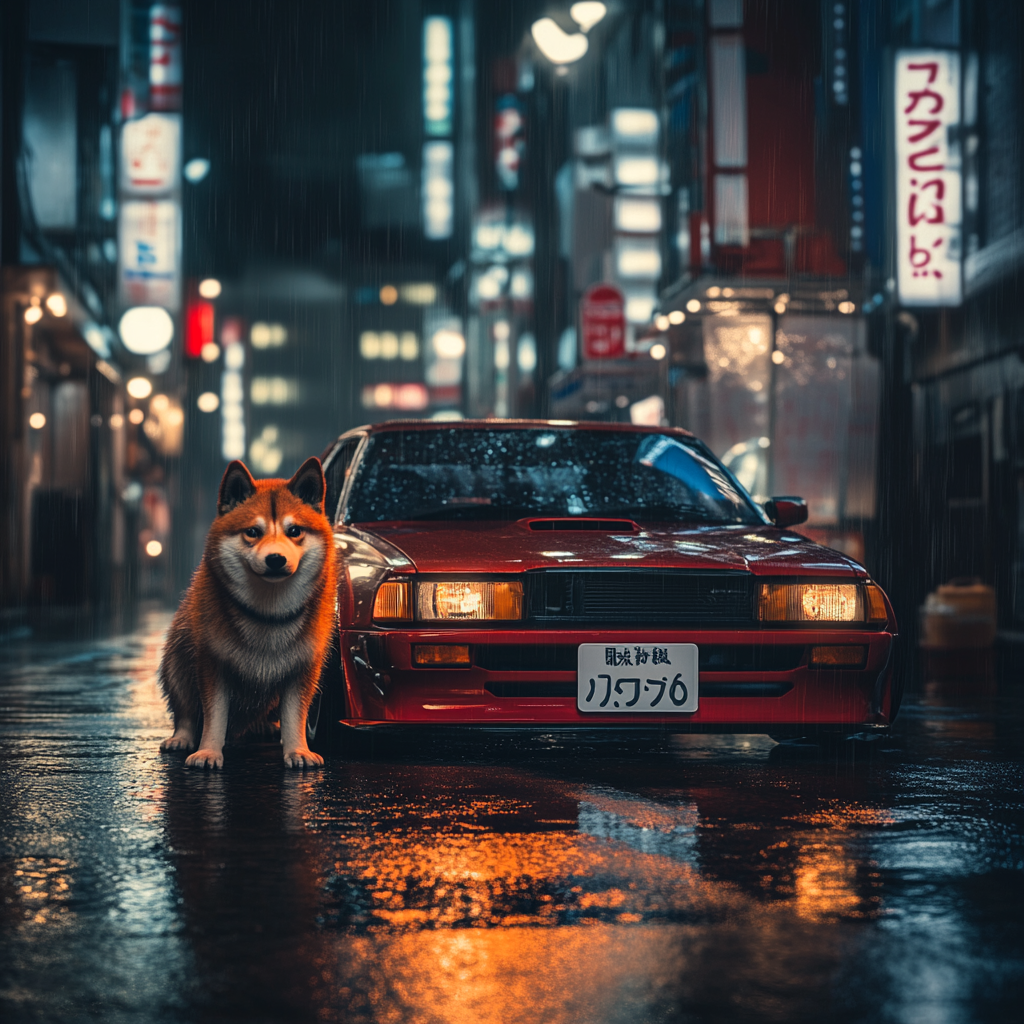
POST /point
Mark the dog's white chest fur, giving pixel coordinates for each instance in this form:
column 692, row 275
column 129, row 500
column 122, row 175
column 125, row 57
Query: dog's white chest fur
column 270, row 640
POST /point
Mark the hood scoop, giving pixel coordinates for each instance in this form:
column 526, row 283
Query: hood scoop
column 579, row 523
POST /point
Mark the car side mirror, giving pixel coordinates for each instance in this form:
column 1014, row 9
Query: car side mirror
column 787, row 511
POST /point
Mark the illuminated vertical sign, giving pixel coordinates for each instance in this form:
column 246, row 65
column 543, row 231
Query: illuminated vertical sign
column 199, row 322
column 151, row 155
column 438, row 183
column 509, row 141
column 149, row 227
column 232, row 399
column 149, row 233
column 437, row 76
column 149, row 217
column 438, row 189
column 928, row 178
column 165, row 57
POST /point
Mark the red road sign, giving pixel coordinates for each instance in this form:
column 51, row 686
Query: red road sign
column 603, row 322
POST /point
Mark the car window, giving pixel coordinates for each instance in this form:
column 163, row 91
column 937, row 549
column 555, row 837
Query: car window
column 465, row 473
column 335, row 473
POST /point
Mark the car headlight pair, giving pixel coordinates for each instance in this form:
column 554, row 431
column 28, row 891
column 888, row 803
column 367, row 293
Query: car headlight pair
column 491, row 600
column 821, row 602
column 448, row 601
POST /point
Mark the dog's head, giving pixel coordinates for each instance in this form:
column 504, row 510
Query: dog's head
column 270, row 532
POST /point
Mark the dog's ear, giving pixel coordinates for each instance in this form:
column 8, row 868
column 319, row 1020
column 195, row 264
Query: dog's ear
column 236, row 487
column 308, row 484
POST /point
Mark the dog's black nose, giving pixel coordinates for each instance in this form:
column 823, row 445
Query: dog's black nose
column 276, row 562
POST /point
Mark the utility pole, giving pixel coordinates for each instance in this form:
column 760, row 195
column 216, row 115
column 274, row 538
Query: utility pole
column 545, row 154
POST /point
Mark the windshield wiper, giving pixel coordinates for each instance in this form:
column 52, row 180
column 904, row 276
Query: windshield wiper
column 470, row 512
column 663, row 514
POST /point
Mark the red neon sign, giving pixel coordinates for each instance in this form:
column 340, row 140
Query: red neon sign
column 198, row 327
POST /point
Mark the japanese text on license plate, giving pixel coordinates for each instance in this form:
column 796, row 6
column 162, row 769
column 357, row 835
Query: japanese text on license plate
column 630, row 678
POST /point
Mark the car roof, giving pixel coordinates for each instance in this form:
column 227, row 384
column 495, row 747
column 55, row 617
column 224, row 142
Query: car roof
column 508, row 424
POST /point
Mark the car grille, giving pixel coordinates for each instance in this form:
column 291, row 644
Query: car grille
column 563, row 658
column 641, row 596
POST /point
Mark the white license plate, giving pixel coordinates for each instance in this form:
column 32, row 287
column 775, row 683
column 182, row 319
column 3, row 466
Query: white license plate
column 653, row 678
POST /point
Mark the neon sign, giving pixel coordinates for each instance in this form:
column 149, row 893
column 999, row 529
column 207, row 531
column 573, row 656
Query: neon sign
column 928, row 178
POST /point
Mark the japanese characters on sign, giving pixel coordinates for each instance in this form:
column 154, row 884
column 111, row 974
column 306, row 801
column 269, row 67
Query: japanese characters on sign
column 603, row 322
column 165, row 57
column 509, row 141
column 149, row 217
column 149, row 249
column 151, row 154
column 928, row 178
column 150, row 232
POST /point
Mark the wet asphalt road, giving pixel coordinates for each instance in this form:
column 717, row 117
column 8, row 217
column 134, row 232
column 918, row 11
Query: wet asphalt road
column 507, row 880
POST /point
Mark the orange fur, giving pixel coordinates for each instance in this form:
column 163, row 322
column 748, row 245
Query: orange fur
column 254, row 627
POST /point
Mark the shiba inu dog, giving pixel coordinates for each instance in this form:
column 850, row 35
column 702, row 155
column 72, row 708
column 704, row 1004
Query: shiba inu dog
column 254, row 626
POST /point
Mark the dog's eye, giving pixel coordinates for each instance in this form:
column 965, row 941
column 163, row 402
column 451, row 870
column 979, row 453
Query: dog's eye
column 254, row 532
column 293, row 531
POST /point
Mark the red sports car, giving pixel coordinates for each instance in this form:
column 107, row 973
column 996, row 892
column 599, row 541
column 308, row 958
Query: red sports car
column 556, row 574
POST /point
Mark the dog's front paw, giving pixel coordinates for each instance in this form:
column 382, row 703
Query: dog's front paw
column 302, row 758
column 179, row 741
column 205, row 759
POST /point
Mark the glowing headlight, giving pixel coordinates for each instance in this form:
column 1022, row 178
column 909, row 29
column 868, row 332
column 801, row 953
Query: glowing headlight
column 820, row 602
column 830, row 603
column 469, row 602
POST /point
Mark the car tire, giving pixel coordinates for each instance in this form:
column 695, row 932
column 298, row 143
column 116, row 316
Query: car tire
column 329, row 704
column 898, row 682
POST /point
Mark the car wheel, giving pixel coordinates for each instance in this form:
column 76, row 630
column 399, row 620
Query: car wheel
column 898, row 682
column 328, row 705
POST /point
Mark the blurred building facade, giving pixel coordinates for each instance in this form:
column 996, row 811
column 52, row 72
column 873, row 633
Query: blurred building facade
column 706, row 175
column 697, row 212
column 810, row 153
column 341, row 291
column 957, row 372
column 63, row 525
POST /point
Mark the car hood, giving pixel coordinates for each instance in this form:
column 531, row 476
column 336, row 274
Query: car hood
column 513, row 547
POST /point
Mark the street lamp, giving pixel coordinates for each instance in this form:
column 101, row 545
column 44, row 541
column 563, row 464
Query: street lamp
column 561, row 47
column 558, row 46
column 587, row 13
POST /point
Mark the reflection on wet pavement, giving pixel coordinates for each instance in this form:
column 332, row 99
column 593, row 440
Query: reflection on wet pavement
column 501, row 880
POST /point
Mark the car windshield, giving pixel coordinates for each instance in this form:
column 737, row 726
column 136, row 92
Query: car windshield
column 466, row 473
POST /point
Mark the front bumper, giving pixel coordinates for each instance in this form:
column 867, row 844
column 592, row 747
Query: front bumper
column 384, row 685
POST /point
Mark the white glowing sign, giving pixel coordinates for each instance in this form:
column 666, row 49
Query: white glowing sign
column 928, row 178
column 437, row 76
column 232, row 403
column 150, row 243
column 438, row 189
column 151, row 154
